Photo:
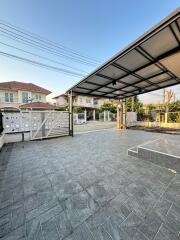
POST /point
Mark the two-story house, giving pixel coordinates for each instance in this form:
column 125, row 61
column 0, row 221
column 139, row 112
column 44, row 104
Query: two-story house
column 89, row 104
column 18, row 94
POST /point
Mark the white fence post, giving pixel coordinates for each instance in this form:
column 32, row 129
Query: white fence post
column 85, row 115
column 94, row 114
column 108, row 116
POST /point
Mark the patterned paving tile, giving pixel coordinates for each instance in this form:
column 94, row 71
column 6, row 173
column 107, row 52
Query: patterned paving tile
column 11, row 217
column 165, row 234
column 41, row 221
column 79, row 207
column 17, row 234
column 36, row 185
column 131, row 223
column 39, row 198
column 110, row 230
column 151, row 225
column 102, row 192
column 96, row 193
column 81, row 233
column 66, row 189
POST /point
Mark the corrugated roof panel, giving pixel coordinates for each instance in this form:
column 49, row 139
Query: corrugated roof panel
column 129, row 89
column 110, row 95
column 104, row 89
column 113, row 72
column 119, row 92
column 128, row 94
column 132, row 60
column 151, row 88
column 97, row 93
column 149, row 71
column 142, row 84
column 159, row 78
column 173, row 63
column 167, row 83
column 118, row 85
column 160, row 43
column 87, row 85
column 99, row 80
column 79, row 90
column 130, row 79
column 176, row 29
column 149, row 63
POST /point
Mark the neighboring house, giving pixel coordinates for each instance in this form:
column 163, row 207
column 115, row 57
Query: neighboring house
column 14, row 94
column 87, row 103
column 61, row 100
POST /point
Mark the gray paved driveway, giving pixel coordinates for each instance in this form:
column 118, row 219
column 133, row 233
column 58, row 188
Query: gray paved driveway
column 86, row 188
column 93, row 126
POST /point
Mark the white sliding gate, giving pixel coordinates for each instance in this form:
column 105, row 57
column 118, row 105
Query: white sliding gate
column 40, row 124
column 45, row 124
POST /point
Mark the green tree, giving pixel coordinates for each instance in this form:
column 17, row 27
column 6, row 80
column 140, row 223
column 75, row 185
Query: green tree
column 109, row 106
column 138, row 106
column 174, row 111
column 78, row 110
column 174, row 106
column 62, row 109
column 151, row 107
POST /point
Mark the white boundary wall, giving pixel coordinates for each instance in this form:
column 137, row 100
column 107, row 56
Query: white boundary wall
column 131, row 119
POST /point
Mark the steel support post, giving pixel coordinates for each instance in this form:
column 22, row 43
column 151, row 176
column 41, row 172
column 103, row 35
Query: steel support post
column 118, row 116
column 124, row 114
column 70, row 101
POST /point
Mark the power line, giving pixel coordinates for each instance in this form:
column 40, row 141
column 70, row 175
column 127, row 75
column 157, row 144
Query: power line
column 38, row 37
column 45, row 58
column 45, row 44
column 65, row 71
column 42, row 47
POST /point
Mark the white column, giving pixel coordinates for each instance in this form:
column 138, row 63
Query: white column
column 104, row 116
column 85, row 115
column 94, row 114
column 108, row 116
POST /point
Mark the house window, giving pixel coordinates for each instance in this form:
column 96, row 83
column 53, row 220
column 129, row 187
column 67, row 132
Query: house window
column 38, row 97
column 24, row 97
column 95, row 101
column 8, row 97
column 88, row 100
column 80, row 99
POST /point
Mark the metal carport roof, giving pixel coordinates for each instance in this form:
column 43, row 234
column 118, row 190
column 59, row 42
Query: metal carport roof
column 150, row 63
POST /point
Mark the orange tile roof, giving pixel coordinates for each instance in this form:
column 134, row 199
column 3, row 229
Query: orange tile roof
column 9, row 105
column 38, row 105
column 61, row 95
column 14, row 86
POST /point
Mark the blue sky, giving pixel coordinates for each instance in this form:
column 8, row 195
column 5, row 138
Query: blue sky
column 93, row 27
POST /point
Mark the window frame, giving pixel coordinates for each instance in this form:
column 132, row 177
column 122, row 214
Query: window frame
column 23, row 97
column 9, row 97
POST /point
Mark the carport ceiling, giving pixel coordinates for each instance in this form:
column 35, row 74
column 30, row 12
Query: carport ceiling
column 150, row 63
